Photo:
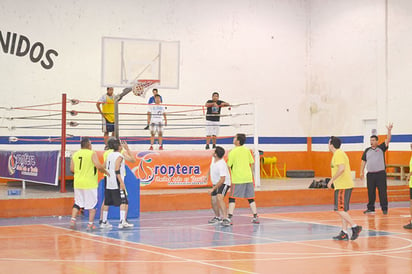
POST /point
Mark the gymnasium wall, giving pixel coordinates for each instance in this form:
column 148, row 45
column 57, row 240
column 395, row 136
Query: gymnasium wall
column 313, row 68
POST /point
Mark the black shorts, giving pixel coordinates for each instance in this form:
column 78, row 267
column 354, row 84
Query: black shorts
column 115, row 197
column 108, row 126
column 223, row 189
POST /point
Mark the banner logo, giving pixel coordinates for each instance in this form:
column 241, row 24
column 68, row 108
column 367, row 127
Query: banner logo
column 34, row 166
column 11, row 164
column 169, row 171
column 143, row 171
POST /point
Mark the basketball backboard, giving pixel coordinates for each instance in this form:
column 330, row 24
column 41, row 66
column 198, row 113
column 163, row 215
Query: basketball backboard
column 127, row 60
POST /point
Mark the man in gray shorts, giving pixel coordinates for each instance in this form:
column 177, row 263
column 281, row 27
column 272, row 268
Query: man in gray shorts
column 239, row 161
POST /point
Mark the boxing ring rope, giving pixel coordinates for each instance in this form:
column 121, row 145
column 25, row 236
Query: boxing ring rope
column 130, row 122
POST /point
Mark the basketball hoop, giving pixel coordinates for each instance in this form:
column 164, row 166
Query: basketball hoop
column 142, row 86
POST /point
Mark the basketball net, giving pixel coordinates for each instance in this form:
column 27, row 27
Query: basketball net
column 142, row 86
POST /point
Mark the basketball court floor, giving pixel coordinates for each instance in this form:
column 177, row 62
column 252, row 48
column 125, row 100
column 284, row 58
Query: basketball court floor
column 294, row 239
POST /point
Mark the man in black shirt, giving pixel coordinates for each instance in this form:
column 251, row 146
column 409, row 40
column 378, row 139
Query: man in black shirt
column 214, row 107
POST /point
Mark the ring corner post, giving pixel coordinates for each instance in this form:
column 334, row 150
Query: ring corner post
column 256, row 148
column 116, row 117
column 63, row 146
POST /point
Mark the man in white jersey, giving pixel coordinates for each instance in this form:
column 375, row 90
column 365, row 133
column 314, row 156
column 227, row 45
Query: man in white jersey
column 128, row 156
column 115, row 193
column 220, row 177
column 156, row 119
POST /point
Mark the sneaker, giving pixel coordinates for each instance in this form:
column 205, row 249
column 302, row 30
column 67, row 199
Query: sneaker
column 72, row 223
column 408, row 226
column 207, row 147
column 105, row 224
column 226, row 222
column 342, row 236
column 161, row 148
column 125, row 224
column 215, row 220
column 90, row 227
column 255, row 220
column 385, row 212
column 151, row 148
column 368, row 211
column 214, row 146
column 355, row 232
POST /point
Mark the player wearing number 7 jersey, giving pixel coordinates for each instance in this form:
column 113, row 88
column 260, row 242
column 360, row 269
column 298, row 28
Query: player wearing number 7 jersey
column 84, row 165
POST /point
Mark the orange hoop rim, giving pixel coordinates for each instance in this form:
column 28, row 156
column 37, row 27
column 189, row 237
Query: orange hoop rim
column 151, row 81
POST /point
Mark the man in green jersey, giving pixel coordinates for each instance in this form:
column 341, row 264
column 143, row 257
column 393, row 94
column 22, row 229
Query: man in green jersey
column 84, row 164
column 240, row 161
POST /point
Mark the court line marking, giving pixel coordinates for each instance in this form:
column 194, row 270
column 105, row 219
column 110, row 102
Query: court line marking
column 197, row 227
column 146, row 250
column 362, row 252
column 332, row 223
column 205, row 262
column 342, row 252
column 286, row 221
column 307, row 243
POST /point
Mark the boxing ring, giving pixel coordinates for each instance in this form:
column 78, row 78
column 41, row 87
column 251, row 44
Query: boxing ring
column 184, row 162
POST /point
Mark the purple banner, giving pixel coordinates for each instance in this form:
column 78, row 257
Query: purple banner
column 33, row 166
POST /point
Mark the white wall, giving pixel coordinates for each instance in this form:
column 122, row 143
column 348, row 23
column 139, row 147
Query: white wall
column 246, row 50
column 359, row 65
column 288, row 56
column 400, row 64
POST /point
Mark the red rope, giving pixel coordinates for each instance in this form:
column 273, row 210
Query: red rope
column 50, row 104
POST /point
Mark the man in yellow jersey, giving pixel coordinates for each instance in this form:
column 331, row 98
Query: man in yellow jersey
column 84, row 165
column 240, row 161
column 127, row 154
column 107, row 112
column 409, row 177
column 343, row 184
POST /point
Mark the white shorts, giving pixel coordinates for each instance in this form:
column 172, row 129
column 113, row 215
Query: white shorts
column 156, row 127
column 85, row 198
column 212, row 128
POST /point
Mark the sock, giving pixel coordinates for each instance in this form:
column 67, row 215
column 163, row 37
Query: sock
column 354, row 226
column 90, row 223
column 122, row 215
column 345, row 231
column 255, row 215
column 230, row 216
column 105, row 214
column 73, row 219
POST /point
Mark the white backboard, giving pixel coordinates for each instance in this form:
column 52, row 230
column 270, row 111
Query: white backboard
column 126, row 60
